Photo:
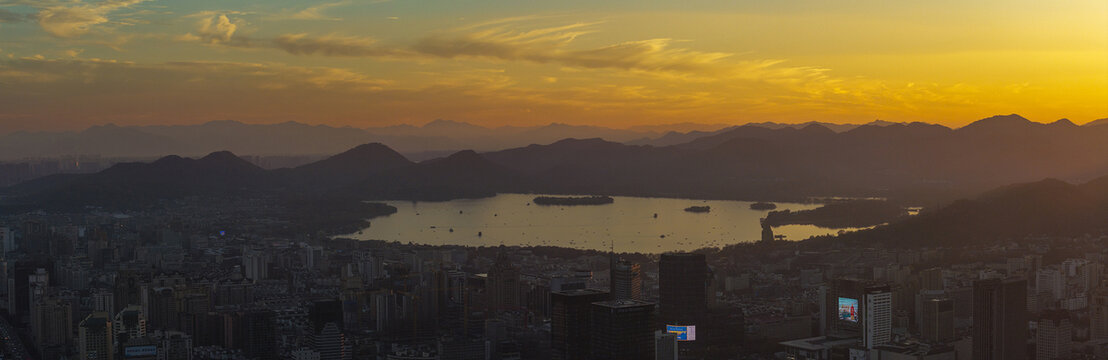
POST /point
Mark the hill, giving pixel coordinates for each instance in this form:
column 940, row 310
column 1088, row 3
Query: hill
column 1048, row 207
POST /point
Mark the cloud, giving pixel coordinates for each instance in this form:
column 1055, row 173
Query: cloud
column 497, row 41
column 316, row 12
column 216, row 29
column 73, row 19
column 8, row 16
column 333, row 45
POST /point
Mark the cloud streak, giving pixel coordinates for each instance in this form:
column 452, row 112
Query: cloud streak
column 73, row 19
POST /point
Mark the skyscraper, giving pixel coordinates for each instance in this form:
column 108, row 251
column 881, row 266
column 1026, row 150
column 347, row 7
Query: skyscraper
column 622, row 329
column 51, row 325
column 682, row 287
column 1054, row 339
column 570, row 322
column 626, row 280
column 878, row 316
column 936, row 320
column 1000, row 319
column 502, row 286
column 95, row 337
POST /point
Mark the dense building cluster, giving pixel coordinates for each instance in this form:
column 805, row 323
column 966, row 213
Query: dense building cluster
column 155, row 285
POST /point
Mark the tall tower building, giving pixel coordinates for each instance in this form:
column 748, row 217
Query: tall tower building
column 682, row 287
column 51, row 325
column 878, row 316
column 95, row 337
column 1000, row 319
column 936, row 320
column 570, row 322
column 622, row 329
column 626, row 280
column 1054, row 340
column 502, row 285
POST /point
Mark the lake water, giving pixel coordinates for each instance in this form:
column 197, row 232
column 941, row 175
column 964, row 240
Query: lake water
column 511, row 219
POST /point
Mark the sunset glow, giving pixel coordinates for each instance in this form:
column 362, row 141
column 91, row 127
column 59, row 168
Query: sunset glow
column 66, row 65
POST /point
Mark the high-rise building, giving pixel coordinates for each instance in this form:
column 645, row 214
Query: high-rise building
column 255, row 265
column 503, row 283
column 129, row 323
column 1051, row 281
column 51, row 325
column 1098, row 314
column 95, row 337
column 38, row 285
column 626, row 280
column 256, row 330
column 175, row 345
column 622, row 329
column 570, row 322
column 1054, row 338
column 7, row 240
column 682, row 287
column 931, row 279
column 878, row 316
column 665, row 345
column 1000, row 319
column 330, row 343
column 843, row 295
column 936, row 320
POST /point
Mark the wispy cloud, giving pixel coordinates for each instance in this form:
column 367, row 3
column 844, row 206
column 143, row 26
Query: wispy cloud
column 76, row 18
column 8, row 16
column 316, row 12
column 333, row 45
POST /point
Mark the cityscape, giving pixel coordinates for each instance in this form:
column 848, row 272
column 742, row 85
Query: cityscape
column 499, row 180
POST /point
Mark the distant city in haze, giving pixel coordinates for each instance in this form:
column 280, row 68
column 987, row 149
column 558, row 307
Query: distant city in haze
column 500, row 180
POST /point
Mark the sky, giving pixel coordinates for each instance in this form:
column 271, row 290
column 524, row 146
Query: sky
column 67, row 65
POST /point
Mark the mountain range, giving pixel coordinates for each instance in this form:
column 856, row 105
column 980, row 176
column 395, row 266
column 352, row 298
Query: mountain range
column 434, row 139
column 916, row 162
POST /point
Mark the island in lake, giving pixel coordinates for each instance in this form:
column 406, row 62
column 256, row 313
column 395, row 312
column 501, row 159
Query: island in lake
column 763, row 206
column 698, row 209
column 573, row 200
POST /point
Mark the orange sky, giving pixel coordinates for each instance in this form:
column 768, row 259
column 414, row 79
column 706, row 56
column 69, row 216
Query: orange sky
column 68, row 65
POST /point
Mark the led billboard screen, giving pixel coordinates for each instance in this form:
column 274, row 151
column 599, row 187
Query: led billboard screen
column 848, row 309
column 684, row 332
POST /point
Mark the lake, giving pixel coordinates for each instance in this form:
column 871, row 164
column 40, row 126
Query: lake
column 511, row 219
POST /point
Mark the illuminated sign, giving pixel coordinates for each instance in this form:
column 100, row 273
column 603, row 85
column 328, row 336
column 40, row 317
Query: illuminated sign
column 848, row 309
column 144, row 350
column 684, row 332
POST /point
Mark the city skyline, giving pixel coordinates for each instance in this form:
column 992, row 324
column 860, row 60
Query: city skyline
column 70, row 65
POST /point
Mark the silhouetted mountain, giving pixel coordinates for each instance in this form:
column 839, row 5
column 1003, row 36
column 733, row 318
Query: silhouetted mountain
column 464, row 174
column 1097, row 122
column 834, row 127
column 355, row 165
column 915, row 163
column 1048, row 207
column 674, row 138
column 133, row 184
